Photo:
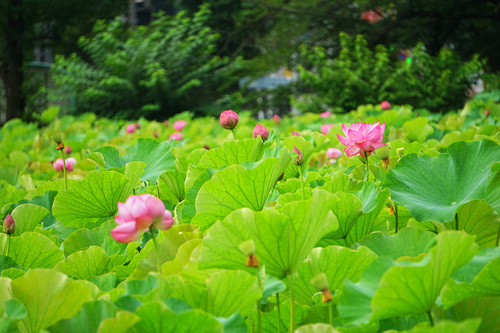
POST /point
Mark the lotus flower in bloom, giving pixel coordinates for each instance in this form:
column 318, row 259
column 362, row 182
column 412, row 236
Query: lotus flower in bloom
column 138, row 214
column 262, row 131
column 333, row 153
column 325, row 114
column 59, row 165
column 179, row 125
column 362, row 138
column 325, row 128
column 130, row 128
column 385, row 105
column 228, row 119
column 176, row 136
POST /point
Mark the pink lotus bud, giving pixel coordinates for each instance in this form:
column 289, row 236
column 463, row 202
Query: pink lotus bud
column 68, row 150
column 262, row 131
column 295, row 133
column 206, row 147
column 333, row 153
column 487, row 112
column 58, row 164
column 137, row 125
column 155, row 134
column 70, row 162
column 165, row 122
column 228, row 119
column 362, row 138
column 138, row 214
column 325, row 128
column 130, row 128
column 176, row 136
column 179, row 125
column 325, row 114
column 300, row 157
column 277, row 119
column 9, row 226
column 385, row 105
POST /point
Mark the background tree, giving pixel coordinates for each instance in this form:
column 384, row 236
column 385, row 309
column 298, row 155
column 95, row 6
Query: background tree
column 47, row 23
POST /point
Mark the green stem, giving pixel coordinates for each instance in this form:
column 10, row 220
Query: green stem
column 301, row 182
column 158, row 188
column 396, row 216
column 330, row 312
column 367, row 170
column 259, row 301
column 498, row 234
column 158, row 264
column 292, row 305
column 456, row 221
column 430, row 318
column 279, row 313
column 234, row 134
column 8, row 246
column 64, row 171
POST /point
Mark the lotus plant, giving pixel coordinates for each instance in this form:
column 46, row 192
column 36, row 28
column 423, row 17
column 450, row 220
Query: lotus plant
column 325, row 114
column 176, row 136
column 261, row 131
column 385, row 105
column 229, row 119
column 130, row 128
column 325, row 128
column 68, row 163
column 179, row 125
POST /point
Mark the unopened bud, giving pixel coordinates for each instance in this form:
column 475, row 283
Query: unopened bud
column 320, row 282
column 300, row 157
column 57, row 137
column 382, row 152
column 262, row 131
column 68, row 150
column 228, row 119
column 9, row 226
column 487, row 113
column 248, row 248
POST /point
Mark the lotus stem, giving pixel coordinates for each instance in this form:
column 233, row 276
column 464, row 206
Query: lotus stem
column 396, row 217
column 456, row 221
column 430, row 318
column 292, row 305
column 64, row 171
column 498, row 234
column 234, row 134
column 367, row 170
column 279, row 312
column 8, row 245
column 259, row 301
column 158, row 264
column 158, row 189
column 330, row 312
column 301, row 183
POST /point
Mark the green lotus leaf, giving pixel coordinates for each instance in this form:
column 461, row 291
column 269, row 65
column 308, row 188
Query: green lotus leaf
column 485, row 307
column 237, row 187
column 157, row 317
column 92, row 199
column 6, row 263
column 316, row 328
column 233, row 152
column 157, row 156
column 46, row 201
column 83, row 264
column 32, row 250
column 433, row 188
column 338, row 263
column 187, row 209
column 282, row 240
column 409, row 242
column 479, row 277
column 48, row 297
column 105, row 282
column 447, row 326
column 492, row 193
column 388, row 289
column 5, row 291
column 418, row 129
column 173, row 190
column 269, row 320
column 305, row 147
column 121, row 323
column 27, row 217
column 182, row 257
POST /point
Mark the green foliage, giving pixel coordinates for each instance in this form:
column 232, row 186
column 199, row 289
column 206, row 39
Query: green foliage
column 362, row 76
column 152, row 71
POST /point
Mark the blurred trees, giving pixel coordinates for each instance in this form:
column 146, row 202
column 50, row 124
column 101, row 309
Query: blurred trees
column 57, row 24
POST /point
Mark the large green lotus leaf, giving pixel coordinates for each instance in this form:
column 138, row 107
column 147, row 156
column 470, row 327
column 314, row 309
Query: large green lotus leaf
column 5, row 291
column 316, row 328
column 305, row 147
column 157, row 156
column 402, row 288
column 408, row 242
column 237, row 187
column 27, row 217
column 187, row 209
column 292, row 185
column 341, row 182
column 282, row 240
column 32, row 250
column 479, row 277
column 157, row 317
column 224, row 293
column 485, row 307
column 338, row 263
column 92, row 199
column 174, row 185
column 269, row 320
column 477, row 218
column 105, row 282
column 433, row 188
column 233, row 152
column 6, row 263
column 492, row 193
column 83, row 264
column 182, row 258
column 87, row 319
column 121, row 323
column 46, row 200
column 446, row 326
column 133, row 172
column 48, row 296
column 82, row 238
column 418, row 129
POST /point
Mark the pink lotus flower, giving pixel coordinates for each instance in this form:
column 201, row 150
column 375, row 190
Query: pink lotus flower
column 228, row 119
column 130, row 128
column 138, row 214
column 179, row 125
column 59, row 165
column 362, row 138
column 325, row 128
column 262, row 131
column 176, row 136
column 295, row 133
column 277, row 119
column 165, row 122
column 68, row 150
column 371, row 16
column 333, row 153
column 325, row 114
column 385, row 105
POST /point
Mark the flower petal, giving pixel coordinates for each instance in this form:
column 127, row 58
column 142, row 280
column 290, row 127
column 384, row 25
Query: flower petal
column 351, row 151
column 125, row 233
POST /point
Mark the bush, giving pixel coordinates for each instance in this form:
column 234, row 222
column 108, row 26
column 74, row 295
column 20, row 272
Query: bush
column 361, row 76
column 154, row 71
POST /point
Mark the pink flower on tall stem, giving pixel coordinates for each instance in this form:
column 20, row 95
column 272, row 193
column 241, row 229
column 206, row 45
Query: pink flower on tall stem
column 137, row 215
column 385, row 105
column 325, row 128
column 68, row 150
column 59, row 165
column 362, row 138
column 260, row 130
column 333, row 153
column 228, row 119
column 176, row 136
column 325, row 114
column 179, row 125
column 130, row 128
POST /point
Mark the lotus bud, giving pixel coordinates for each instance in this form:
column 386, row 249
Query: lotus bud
column 228, row 119
column 277, row 119
column 206, row 147
column 68, row 150
column 155, row 134
column 248, row 248
column 130, row 128
column 385, row 105
column 325, row 114
column 487, row 113
column 137, row 125
column 165, row 122
column 400, row 152
column 9, row 226
column 390, row 207
column 300, row 157
column 320, row 282
column 295, row 133
column 262, row 131
column 58, row 139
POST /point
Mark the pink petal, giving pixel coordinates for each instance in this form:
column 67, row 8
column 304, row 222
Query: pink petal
column 355, row 136
column 344, row 140
column 124, row 212
column 375, row 134
column 136, row 206
column 351, row 151
column 363, row 145
column 345, row 129
column 166, row 222
column 155, row 206
column 376, row 145
column 125, row 233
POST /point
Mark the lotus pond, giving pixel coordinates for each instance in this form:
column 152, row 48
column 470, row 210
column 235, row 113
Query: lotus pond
column 189, row 226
